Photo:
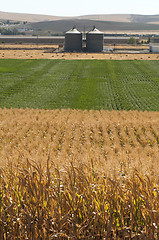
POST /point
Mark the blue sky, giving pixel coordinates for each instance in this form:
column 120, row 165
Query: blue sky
column 82, row 7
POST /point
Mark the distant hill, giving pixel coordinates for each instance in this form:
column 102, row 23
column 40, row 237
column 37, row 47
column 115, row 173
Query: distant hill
column 47, row 25
column 108, row 17
column 131, row 18
column 149, row 19
column 83, row 24
column 28, row 17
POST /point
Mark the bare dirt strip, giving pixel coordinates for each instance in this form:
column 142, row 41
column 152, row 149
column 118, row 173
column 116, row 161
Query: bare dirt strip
column 39, row 52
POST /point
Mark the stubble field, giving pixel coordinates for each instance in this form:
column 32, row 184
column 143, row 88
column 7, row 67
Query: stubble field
column 27, row 51
column 41, row 54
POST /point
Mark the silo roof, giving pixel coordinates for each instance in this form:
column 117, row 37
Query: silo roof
column 74, row 30
column 95, row 31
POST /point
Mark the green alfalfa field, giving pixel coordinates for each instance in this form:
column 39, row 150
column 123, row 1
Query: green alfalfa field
column 79, row 84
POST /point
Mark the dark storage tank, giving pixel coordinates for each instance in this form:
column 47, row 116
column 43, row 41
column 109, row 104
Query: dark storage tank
column 73, row 40
column 94, row 40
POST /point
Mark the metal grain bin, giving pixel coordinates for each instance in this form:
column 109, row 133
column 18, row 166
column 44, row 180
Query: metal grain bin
column 154, row 47
column 94, row 40
column 73, row 40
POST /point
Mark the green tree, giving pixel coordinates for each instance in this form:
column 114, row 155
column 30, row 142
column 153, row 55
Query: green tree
column 132, row 40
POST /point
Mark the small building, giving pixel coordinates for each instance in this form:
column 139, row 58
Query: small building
column 94, row 40
column 154, row 45
column 73, row 40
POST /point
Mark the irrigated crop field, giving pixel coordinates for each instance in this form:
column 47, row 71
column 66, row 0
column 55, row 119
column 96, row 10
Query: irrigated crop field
column 75, row 174
column 80, row 84
column 70, row 173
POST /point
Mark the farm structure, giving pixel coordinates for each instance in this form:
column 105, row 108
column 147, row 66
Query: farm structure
column 154, row 45
column 73, row 40
column 94, row 40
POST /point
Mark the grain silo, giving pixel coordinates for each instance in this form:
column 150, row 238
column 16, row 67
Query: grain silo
column 94, row 40
column 73, row 40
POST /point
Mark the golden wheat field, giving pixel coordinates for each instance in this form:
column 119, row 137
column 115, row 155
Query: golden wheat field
column 73, row 174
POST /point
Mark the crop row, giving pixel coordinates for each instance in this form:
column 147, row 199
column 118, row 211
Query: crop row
column 124, row 137
column 80, row 84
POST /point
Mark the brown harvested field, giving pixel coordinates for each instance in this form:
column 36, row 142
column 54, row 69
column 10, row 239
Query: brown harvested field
column 30, row 53
column 29, row 46
column 41, row 54
column 117, row 46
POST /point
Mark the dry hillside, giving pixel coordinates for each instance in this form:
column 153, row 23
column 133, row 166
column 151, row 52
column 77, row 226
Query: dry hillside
column 28, row 17
column 127, row 18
